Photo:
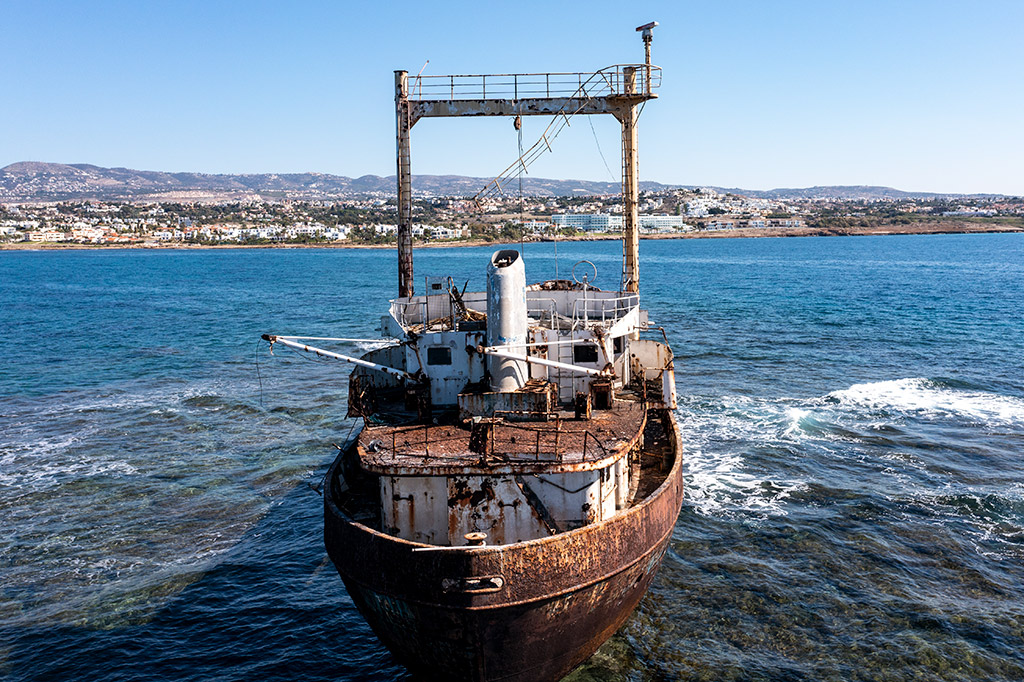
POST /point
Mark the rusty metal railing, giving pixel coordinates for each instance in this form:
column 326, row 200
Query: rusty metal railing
column 607, row 82
column 416, row 441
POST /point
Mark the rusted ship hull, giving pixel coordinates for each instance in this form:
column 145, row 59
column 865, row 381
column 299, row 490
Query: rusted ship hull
column 528, row 611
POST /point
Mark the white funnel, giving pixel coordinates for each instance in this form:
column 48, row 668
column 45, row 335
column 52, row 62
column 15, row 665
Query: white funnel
column 506, row 318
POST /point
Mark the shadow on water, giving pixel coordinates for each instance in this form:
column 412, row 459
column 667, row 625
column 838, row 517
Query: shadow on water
column 272, row 608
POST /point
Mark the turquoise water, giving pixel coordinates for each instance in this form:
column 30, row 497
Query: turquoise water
column 852, row 408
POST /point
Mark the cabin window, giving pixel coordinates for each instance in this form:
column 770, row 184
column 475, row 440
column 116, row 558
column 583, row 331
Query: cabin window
column 584, row 352
column 617, row 344
column 439, row 355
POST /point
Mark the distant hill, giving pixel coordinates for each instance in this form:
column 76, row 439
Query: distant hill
column 841, row 192
column 29, row 181
column 34, row 181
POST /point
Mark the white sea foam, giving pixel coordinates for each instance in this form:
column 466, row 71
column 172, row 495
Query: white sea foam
column 56, row 442
column 992, row 519
column 24, row 473
column 927, row 397
column 123, row 402
column 720, row 479
column 794, row 418
column 721, row 484
column 724, row 475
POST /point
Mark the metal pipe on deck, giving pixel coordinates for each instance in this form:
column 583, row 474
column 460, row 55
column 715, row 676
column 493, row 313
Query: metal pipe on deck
column 339, row 338
column 542, row 361
column 540, row 343
column 401, row 374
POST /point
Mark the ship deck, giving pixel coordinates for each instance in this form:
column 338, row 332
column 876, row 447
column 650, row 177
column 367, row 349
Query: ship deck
column 356, row 490
column 561, row 443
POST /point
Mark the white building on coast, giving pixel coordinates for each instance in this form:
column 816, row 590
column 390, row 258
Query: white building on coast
column 603, row 222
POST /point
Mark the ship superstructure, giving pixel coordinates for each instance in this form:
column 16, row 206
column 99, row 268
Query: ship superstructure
column 528, row 399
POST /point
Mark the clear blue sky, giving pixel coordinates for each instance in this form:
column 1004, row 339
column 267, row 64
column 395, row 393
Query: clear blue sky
column 924, row 96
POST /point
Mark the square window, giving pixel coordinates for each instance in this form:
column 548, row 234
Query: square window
column 584, row 352
column 439, row 355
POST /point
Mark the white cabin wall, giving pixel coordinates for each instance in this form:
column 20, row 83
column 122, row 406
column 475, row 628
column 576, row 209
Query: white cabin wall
column 545, row 336
column 558, row 349
column 415, row 508
column 447, row 381
column 653, row 360
column 621, row 470
column 581, row 382
column 441, row 510
column 389, row 356
column 609, row 488
column 570, row 497
column 493, row 505
column 621, row 361
column 576, row 498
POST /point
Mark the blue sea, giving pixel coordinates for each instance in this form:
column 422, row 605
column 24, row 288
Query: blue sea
column 852, row 410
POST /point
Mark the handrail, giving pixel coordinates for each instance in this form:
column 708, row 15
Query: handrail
column 551, row 309
column 598, row 307
column 412, row 442
column 608, row 82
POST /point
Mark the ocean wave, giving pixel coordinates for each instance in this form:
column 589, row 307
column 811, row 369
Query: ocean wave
column 747, row 455
column 892, row 443
column 114, row 489
column 65, row 438
column 992, row 520
column 25, row 477
column 724, row 485
column 934, row 398
column 82, row 403
column 718, row 435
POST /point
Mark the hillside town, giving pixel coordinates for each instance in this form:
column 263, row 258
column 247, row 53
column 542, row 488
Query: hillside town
column 372, row 220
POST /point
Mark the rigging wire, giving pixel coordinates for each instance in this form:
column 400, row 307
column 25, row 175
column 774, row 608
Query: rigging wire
column 347, row 442
column 598, row 142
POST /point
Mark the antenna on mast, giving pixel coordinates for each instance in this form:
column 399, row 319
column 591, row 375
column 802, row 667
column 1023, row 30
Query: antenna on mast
column 647, row 33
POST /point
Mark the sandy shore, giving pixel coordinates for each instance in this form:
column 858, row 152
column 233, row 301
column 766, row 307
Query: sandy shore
column 937, row 227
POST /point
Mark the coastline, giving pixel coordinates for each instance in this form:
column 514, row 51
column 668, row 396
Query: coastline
column 938, row 227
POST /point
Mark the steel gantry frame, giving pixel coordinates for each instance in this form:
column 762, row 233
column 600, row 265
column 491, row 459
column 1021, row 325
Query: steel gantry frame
column 617, row 90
